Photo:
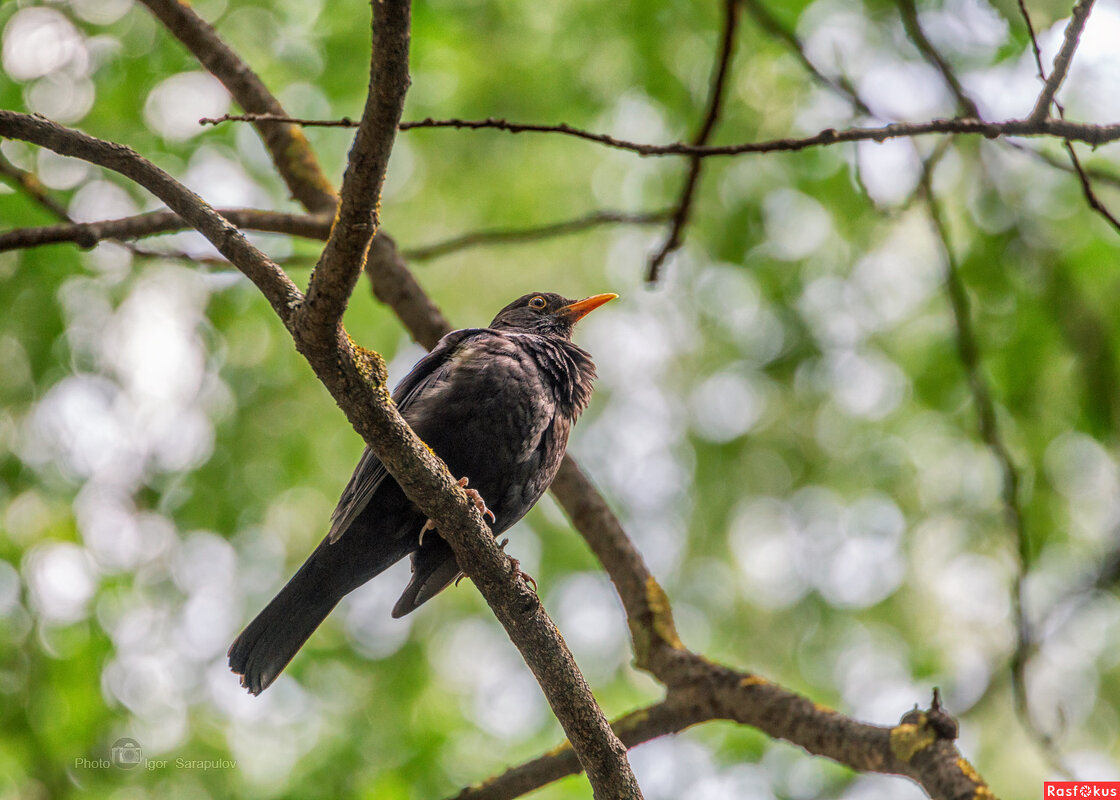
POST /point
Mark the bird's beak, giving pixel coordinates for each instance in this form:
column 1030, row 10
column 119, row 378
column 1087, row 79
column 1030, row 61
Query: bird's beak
column 576, row 311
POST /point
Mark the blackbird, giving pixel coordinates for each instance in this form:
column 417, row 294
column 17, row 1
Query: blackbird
column 496, row 404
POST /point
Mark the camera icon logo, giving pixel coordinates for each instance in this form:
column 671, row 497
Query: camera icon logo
column 127, row 753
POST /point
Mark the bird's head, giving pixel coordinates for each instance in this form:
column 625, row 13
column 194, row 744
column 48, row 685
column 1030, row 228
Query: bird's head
column 547, row 313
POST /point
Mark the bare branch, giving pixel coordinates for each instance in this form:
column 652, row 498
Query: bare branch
column 88, row 234
column 1063, row 59
column 969, row 352
column 281, row 293
column 1083, row 132
column 668, row 716
column 1087, row 188
column 342, row 122
column 291, row 153
column 769, row 23
column 675, row 238
column 909, row 12
column 30, row 185
column 1034, row 39
column 342, row 259
column 520, row 235
column 1063, row 164
column 1059, row 128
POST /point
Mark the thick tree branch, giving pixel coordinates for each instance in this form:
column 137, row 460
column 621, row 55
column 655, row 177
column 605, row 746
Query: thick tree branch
column 88, row 234
column 289, row 148
column 342, row 259
column 716, row 92
column 1063, row 59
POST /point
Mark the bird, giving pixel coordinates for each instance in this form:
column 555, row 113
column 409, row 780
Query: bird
column 497, row 405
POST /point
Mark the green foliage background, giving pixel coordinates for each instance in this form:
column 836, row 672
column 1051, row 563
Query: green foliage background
column 783, row 423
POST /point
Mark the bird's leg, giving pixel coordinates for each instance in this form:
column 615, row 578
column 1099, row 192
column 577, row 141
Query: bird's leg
column 475, row 497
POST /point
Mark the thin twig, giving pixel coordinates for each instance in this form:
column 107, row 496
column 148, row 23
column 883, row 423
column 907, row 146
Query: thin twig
column 1063, row 163
column 88, row 234
column 1034, row 39
column 30, row 185
column 1063, row 129
column 716, row 93
column 968, row 349
column 770, row 24
column 910, row 21
column 520, row 235
column 1087, row 188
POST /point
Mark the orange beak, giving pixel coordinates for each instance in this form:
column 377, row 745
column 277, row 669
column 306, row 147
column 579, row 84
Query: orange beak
column 581, row 308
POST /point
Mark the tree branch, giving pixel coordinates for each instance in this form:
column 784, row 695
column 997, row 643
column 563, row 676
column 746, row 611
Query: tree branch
column 521, row 235
column 289, row 148
column 1075, row 163
column 342, row 259
column 30, row 185
column 1088, row 133
column 683, row 210
column 988, row 424
column 280, row 292
column 908, row 10
column 770, row 24
column 1062, row 60
column 88, row 234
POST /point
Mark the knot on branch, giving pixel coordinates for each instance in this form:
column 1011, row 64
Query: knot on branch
column 919, row 729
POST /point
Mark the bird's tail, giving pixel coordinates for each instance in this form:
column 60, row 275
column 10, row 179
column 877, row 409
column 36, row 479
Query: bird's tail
column 273, row 638
column 335, row 569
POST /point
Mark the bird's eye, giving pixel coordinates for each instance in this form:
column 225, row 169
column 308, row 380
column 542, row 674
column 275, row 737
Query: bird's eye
column 537, row 302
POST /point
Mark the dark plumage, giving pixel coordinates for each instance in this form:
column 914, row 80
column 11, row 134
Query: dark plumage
column 496, row 404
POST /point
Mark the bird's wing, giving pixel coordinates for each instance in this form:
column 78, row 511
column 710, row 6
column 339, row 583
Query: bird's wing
column 370, row 472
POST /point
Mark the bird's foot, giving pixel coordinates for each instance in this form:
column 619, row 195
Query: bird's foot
column 515, row 566
column 476, row 498
column 515, row 569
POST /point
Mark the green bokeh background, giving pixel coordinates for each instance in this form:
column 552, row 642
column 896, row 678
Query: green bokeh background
column 783, row 423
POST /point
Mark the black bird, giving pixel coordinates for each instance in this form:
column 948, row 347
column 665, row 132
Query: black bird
column 496, row 404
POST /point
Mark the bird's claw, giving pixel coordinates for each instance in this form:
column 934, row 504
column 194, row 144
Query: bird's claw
column 428, row 526
column 515, row 568
column 476, row 498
